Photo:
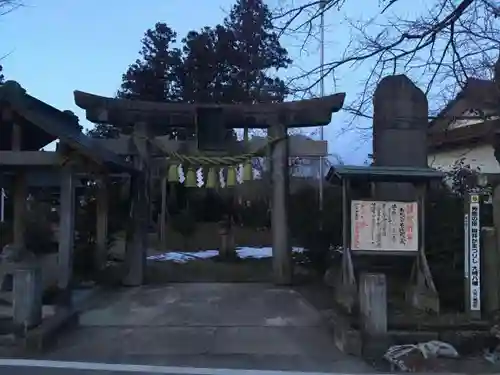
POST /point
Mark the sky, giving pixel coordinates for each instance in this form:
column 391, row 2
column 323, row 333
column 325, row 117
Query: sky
column 54, row 47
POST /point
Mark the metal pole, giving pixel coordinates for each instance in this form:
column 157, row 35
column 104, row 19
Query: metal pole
column 322, row 93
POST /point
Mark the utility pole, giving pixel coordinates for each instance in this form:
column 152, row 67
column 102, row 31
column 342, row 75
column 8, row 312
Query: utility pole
column 321, row 93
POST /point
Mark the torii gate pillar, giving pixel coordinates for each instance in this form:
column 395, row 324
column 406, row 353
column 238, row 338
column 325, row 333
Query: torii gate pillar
column 282, row 254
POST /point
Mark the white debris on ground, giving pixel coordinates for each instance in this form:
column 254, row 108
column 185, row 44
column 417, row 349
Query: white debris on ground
column 414, row 358
column 492, row 354
column 243, row 253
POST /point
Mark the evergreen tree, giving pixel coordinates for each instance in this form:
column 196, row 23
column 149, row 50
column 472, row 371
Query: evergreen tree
column 155, row 76
column 228, row 63
column 206, row 67
column 104, row 131
column 257, row 49
column 2, row 78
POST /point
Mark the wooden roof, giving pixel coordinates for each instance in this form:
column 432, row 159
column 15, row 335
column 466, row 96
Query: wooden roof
column 477, row 94
column 463, row 136
column 49, row 123
column 382, row 174
column 123, row 112
column 33, row 137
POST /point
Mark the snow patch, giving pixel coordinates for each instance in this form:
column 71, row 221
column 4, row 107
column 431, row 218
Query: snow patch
column 243, row 253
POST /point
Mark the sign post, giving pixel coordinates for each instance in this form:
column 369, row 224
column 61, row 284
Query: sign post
column 472, row 261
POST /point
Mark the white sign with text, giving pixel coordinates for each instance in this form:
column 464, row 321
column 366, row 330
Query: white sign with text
column 474, row 253
column 384, row 226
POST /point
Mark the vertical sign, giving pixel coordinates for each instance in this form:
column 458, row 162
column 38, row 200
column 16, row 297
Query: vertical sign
column 466, row 245
column 474, row 254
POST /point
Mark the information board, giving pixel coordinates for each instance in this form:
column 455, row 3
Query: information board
column 384, row 226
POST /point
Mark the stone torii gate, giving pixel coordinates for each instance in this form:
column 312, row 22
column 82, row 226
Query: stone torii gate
column 147, row 121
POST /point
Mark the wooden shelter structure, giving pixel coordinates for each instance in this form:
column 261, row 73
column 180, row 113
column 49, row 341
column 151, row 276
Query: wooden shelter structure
column 383, row 230
column 148, row 122
column 27, row 125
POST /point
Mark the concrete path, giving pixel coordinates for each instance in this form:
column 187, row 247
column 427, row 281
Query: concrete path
column 206, row 325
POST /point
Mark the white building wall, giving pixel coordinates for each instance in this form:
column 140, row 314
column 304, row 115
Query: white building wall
column 480, row 156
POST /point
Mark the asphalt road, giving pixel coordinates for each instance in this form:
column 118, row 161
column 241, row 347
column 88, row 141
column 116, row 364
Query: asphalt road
column 51, row 371
column 45, row 371
column 34, row 367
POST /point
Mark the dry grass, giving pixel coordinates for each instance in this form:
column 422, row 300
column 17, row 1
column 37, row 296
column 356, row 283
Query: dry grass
column 210, row 270
column 207, row 237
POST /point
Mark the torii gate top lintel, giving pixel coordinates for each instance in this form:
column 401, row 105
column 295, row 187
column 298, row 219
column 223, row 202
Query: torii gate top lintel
column 301, row 113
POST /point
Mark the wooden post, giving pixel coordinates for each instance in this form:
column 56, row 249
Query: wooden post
column 491, row 256
column 135, row 252
column 421, row 292
column 20, row 192
column 66, row 234
column 491, row 276
column 16, row 137
column 345, row 292
column 227, row 249
column 163, row 213
column 282, row 255
column 137, row 243
column 20, row 195
column 101, row 224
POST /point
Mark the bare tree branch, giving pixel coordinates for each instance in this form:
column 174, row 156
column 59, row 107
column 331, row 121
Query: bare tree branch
column 440, row 48
column 7, row 6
